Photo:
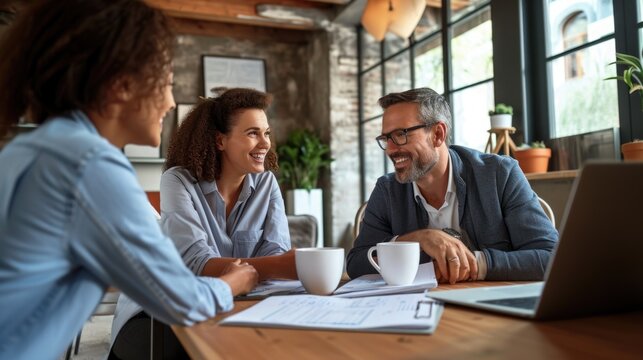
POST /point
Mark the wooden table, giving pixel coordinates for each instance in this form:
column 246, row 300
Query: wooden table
column 461, row 334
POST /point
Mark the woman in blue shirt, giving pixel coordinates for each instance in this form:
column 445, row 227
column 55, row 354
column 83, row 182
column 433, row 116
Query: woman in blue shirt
column 95, row 75
column 219, row 198
column 219, row 201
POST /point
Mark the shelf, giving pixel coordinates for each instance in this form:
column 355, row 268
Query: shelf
column 26, row 126
column 141, row 160
column 553, row 175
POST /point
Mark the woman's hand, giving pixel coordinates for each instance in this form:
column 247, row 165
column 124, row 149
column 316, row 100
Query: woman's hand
column 241, row 277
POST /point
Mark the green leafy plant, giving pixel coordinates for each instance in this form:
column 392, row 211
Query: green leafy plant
column 301, row 158
column 632, row 75
column 501, row 109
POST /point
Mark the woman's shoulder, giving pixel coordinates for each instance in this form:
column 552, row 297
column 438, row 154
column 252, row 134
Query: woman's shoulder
column 263, row 176
column 178, row 172
column 263, row 180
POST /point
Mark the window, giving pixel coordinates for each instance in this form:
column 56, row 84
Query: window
column 428, row 64
column 419, row 61
column 580, row 44
column 472, row 59
column 574, row 34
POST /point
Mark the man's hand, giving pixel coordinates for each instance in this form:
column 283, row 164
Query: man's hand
column 452, row 260
column 241, row 277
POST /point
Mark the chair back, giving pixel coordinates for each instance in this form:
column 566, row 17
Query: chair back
column 358, row 219
column 303, row 230
column 548, row 211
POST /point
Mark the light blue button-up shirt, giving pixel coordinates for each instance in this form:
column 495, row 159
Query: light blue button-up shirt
column 193, row 215
column 73, row 220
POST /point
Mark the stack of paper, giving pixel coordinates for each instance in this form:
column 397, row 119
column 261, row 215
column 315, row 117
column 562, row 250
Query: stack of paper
column 373, row 284
column 406, row 313
column 275, row 287
column 366, row 285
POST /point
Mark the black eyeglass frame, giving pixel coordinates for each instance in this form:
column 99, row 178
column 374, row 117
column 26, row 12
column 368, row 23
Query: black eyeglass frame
column 383, row 139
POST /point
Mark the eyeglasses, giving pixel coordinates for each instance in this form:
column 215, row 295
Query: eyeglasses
column 399, row 136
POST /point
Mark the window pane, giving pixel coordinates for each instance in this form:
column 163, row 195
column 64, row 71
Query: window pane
column 472, row 50
column 372, row 90
column 459, row 8
column 398, row 73
column 374, row 157
column 370, row 50
column 640, row 11
column 572, row 23
column 584, row 102
column 431, row 21
column 428, row 64
column 393, row 44
column 471, row 120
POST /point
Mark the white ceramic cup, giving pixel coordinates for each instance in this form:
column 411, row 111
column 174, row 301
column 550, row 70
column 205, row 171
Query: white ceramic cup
column 319, row 269
column 398, row 261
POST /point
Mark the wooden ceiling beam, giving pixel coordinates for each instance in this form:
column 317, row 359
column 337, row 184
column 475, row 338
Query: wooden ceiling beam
column 238, row 12
column 217, row 29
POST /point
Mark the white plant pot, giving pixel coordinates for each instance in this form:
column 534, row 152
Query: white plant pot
column 500, row 121
column 304, row 202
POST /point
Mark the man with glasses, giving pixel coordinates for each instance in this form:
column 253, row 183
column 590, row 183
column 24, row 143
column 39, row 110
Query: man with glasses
column 474, row 214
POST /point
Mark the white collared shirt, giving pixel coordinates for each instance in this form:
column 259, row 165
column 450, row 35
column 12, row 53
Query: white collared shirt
column 447, row 216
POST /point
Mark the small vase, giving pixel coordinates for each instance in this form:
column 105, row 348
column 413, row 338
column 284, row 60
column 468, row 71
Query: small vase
column 533, row 160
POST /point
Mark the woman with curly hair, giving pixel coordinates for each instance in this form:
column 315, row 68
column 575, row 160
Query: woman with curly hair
column 94, row 75
column 219, row 199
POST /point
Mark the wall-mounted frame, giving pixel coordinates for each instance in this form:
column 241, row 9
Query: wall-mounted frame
column 182, row 111
column 229, row 72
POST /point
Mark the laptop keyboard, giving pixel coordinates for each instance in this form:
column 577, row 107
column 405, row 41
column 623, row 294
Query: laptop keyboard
column 523, row 302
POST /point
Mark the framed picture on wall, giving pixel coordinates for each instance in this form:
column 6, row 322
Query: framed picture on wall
column 229, row 72
column 182, row 111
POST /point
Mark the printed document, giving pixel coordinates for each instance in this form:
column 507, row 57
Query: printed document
column 406, row 313
column 274, row 287
column 374, row 284
column 365, row 285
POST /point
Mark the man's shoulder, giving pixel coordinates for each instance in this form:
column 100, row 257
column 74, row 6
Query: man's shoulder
column 387, row 186
column 467, row 157
column 389, row 182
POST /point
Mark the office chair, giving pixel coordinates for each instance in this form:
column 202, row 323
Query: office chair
column 303, row 230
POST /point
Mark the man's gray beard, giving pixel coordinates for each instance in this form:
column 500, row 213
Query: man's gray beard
column 417, row 169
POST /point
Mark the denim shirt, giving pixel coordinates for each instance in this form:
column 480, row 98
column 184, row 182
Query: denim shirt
column 193, row 215
column 73, row 221
column 499, row 214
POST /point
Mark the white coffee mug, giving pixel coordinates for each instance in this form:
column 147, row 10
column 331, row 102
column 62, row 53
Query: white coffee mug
column 398, row 261
column 319, row 269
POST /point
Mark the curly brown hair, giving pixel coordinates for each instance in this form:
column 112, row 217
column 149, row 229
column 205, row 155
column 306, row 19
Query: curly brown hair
column 60, row 56
column 193, row 146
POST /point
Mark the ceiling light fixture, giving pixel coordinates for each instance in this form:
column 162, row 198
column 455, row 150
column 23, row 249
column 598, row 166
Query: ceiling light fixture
column 397, row 16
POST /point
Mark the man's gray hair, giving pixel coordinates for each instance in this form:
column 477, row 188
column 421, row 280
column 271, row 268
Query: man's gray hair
column 433, row 107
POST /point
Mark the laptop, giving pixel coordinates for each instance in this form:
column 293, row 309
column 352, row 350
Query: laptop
column 597, row 266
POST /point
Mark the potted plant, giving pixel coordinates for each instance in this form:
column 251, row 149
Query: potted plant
column 632, row 77
column 534, row 158
column 301, row 159
column 501, row 116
